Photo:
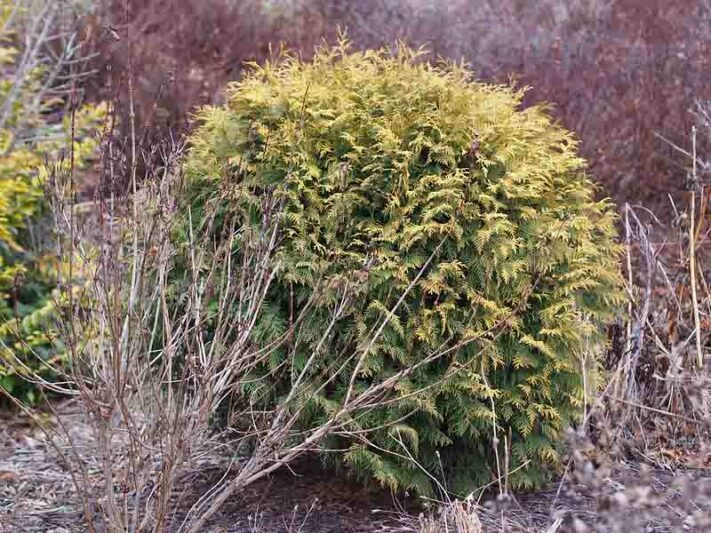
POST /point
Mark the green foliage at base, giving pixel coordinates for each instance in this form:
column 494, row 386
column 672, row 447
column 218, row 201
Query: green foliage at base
column 382, row 161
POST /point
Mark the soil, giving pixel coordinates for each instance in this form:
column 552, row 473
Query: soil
column 37, row 495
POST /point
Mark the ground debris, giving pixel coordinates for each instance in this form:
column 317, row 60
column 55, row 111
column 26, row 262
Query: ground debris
column 37, row 495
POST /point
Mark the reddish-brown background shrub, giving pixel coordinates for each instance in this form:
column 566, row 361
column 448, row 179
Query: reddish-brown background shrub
column 619, row 72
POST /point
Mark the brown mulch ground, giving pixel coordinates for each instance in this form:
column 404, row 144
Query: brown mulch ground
column 37, row 495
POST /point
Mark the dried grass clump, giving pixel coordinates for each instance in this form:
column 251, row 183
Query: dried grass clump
column 457, row 516
column 658, row 398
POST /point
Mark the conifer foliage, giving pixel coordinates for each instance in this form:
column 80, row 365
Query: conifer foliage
column 439, row 198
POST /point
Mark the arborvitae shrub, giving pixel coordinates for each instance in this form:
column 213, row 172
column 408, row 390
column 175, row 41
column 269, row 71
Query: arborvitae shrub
column 379, row 159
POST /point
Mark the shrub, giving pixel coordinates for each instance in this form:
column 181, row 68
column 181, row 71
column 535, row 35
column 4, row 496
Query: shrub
column 387, row 167
column 32, row 144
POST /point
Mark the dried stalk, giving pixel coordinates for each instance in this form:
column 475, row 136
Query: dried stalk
column 692, row 252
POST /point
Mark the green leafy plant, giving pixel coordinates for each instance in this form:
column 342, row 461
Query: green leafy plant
column 32, row 145
column 457, row 219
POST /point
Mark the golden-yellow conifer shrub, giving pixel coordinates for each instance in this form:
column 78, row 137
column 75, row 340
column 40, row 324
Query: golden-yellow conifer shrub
column 381, row 161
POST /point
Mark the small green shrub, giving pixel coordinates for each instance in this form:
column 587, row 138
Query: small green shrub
column 30, row 147
column 381, row 161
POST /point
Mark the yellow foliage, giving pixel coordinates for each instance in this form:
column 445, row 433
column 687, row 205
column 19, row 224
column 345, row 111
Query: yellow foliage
column 32, row 147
